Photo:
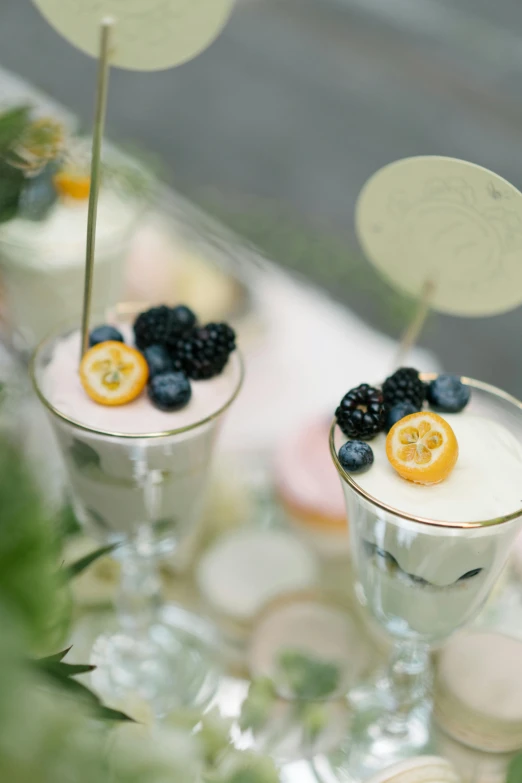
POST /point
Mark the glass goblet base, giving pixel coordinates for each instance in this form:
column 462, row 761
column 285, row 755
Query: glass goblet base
column 172, row 664
column 376, row 743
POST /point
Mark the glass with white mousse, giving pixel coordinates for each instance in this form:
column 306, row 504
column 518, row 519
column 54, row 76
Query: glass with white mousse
column 434, row 506
column 137, row 424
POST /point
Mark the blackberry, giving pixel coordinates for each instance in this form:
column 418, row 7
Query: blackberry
column 404, row 386
column 361, row 412
column 204, row 352
column 162, row 326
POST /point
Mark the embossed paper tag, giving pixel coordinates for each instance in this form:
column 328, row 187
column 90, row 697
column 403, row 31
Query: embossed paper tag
column 448, row 222
column 149, row 35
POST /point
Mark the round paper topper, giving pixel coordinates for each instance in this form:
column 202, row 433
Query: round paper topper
column 149, row 35
column 447, row 222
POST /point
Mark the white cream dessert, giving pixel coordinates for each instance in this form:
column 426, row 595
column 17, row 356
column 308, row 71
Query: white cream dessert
column 64, row 391
column 42, row 263
column 121, row 485
column 485, row 483
column 427, row 579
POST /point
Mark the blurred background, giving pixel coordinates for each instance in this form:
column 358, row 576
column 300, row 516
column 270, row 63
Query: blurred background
column 275, row 128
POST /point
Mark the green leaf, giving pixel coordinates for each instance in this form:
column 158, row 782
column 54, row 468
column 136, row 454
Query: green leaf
column 30, row 586
column 56, row 658
column 84, row 562
column 80, row 691
column 12, row 125
column 61, row 669
column 68, row 522
column 515, row 770
column 11, row 184
column 308, row 678
column 107, row 713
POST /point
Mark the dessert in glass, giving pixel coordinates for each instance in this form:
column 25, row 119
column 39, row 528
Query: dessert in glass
column 434, row 507
column 137, row 424
column 43, row 224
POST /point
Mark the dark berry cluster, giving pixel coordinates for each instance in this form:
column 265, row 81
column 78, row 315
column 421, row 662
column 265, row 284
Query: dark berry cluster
column 178, row 349
column 365, row 411
column 162, row 326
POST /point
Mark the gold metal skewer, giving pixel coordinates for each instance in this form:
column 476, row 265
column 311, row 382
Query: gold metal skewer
column 97, row 137
column 414, row 328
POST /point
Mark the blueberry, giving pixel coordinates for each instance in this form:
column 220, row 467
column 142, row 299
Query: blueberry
column 38, row 195
column 448, row 394
column 103, row 333
column 158, row 359
column 170, row 391
column 184, row 317
column 356, row 456
column 398, row 412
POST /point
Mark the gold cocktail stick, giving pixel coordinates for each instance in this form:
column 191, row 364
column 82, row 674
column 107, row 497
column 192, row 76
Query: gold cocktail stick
column 97, row 137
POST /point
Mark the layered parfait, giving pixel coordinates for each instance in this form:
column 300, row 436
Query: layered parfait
column 443, row 452
column 136, row 420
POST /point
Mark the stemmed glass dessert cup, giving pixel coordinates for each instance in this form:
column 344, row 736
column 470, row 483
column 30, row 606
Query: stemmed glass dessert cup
column 143, row 493
column 420, row 579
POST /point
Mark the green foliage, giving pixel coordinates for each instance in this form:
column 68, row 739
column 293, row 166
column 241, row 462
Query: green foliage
column 11, row 184
column 243, row 767
column 12, row 125
column 75, row 569
column 29, row 578
column 515, row 770
column 306, row 678
column 258, row 705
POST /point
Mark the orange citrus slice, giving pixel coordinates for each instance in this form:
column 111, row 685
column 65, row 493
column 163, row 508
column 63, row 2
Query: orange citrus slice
column 422, row 448
column 113, row 373
column 73, row 185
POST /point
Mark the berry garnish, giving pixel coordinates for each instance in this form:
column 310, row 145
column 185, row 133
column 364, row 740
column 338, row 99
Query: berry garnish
column 113, row 373
column 448, row 394
column 356, row 456
column 162, row 326
column 204, row 352
column 404, row 386
column 422, row 448
column 159, row 360
column 103, row 334
column 361, row 412
column 398, row 412
column 170, row 391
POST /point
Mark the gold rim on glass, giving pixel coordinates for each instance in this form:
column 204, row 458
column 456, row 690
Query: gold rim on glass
column 411, row 517
column 126, row 308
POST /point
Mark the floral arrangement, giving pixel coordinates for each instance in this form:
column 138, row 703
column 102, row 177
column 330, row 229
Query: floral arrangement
column 41, row 162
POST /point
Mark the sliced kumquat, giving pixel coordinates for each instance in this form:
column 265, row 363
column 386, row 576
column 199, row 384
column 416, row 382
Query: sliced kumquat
column 113, row 373
column 73, row 185
column 422, row 448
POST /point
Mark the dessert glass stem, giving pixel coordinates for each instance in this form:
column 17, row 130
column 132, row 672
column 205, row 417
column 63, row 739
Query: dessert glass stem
column 398, row 727
column 139, row 598
column 407, row 683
